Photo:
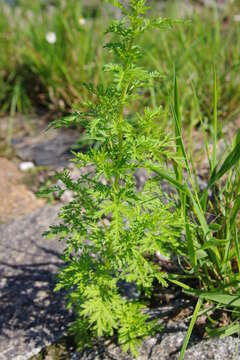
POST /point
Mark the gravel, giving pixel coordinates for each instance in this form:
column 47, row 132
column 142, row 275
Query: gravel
column 31, row 314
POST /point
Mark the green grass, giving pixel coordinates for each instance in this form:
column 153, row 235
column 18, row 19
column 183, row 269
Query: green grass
column 38, row 74
column 211, row 261
column 208, row 39
column 46, row 73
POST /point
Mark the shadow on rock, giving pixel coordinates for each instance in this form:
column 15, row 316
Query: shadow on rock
column 28, row 302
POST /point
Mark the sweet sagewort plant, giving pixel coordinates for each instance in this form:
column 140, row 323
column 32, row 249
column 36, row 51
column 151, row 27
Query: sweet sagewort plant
column 112, row 231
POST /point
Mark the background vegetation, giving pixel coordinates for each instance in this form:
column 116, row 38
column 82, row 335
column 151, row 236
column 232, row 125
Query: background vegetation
column 40, row 73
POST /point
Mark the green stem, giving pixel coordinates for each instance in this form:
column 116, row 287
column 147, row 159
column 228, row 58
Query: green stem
column 120, row 115
column 120, row 133
column 123, row 86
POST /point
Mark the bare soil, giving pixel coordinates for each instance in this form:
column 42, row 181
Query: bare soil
column 15, row 198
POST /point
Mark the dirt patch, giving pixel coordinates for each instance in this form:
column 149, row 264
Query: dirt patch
column 16, row 199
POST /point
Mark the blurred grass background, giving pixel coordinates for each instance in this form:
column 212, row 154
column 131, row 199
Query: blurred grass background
column 49, row 49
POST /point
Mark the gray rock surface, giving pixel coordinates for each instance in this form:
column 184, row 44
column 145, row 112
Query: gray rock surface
column 167, row 346
column 51, row 148
column 31, row 314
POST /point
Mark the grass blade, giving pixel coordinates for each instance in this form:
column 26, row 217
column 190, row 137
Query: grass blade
column 224, row 299
column 214, row 153
column 190, row 328
column 235, row 211
column 225, row 330
column 164, row 175
column 190, row 244
column 229, row 162
column 177, row 121
column 179, row 140
column 236, row 243
column 196, row 102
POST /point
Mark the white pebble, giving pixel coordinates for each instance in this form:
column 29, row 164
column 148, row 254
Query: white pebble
column 236, row 17
column 67, row 196
column 25, row 166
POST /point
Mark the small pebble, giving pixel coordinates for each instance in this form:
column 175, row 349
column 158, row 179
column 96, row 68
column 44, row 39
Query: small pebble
column 25, row 166
column 236, row 17
column 67, row 196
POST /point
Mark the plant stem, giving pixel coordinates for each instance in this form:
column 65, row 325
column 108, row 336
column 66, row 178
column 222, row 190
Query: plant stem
column 120, row 115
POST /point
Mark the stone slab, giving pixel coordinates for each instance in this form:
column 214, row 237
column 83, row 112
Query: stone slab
column 31, row 314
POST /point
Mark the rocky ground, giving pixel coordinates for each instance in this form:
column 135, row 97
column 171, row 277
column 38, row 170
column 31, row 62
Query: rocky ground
column 32, row 316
